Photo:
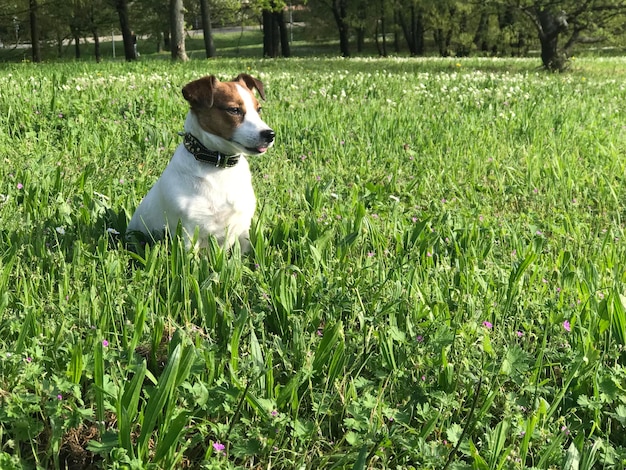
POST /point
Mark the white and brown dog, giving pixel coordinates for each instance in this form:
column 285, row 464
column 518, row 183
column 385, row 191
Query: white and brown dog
column 207, row 185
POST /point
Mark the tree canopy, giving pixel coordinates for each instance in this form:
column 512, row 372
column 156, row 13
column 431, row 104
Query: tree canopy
column 444, row 27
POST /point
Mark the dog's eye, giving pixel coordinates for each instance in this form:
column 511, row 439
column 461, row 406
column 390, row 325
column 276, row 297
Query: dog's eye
column 234, row 111
column 259, row 109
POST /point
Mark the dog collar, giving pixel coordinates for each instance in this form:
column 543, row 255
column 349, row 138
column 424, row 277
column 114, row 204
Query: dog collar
column 203, row 154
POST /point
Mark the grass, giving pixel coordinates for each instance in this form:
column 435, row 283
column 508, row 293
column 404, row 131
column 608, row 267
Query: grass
column 436, row 279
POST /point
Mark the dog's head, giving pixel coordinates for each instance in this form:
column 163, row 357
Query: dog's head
column 229, row 112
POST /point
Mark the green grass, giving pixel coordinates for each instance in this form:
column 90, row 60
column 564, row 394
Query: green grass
column 437, row 279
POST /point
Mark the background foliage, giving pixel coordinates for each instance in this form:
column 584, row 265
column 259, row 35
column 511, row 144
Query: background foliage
column 382, row 27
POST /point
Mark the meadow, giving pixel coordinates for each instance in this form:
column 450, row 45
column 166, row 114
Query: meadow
column 437, row 276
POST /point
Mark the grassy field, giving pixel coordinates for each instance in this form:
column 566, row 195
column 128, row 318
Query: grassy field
column 437, row 278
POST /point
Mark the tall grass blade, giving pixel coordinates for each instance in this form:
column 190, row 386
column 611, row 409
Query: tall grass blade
column 75, row 368
column 498, row 438
column 98, row 378
column 618, row 317
column 515, row 277
column 361, row 460
column 25, row 331
column 158, row 401
column 326, row 347
column 168, row 444
column 131, row 392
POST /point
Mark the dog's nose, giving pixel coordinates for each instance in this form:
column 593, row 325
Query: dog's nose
column 268, row 135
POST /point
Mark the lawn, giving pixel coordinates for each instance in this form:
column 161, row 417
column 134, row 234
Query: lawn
column 437, row 277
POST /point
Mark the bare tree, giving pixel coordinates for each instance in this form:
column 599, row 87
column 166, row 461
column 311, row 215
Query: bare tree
column 177, row 28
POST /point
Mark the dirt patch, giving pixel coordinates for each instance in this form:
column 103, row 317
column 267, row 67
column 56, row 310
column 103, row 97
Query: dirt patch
column 74, row 454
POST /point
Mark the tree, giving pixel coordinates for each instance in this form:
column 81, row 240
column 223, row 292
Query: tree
column 270, row 34
column 99, row 17
column 205, row 13
column 34, row 30
column 570, row 20
column 152, row 19
column 444, row 19
column 382, row 45
column 274, row 29
column 78, row 18
column 127, row 35
column 340, row 13
column 177, row 30
column 412, row 24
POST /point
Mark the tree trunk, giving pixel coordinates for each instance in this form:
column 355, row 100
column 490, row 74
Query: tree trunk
column 275, row 33
column 360, row 39
column 94, row 32
column 396, row 35
column 480, row 38
column 383, row 28
column 376, row 38
column 205, row 12
column 418, row 31
column 550, row 26
column 177, row 29
column 127, row 36
column 414, row 31
column 59, row 45
column 340, row 14
column 439, row 37
column 548, row 51
column 360, row 29
column 463, row 49
column 96, row 44
column 76, row 46
column 270, row 36
column 34, row 30
column 284, row 34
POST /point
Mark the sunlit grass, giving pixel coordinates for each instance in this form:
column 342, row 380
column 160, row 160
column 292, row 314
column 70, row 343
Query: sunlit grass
column 437, row 273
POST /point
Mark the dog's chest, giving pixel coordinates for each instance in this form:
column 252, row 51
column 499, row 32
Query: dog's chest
column 216, row 196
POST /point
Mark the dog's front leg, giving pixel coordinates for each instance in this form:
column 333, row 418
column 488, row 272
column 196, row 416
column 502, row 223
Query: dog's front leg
column 244, row 241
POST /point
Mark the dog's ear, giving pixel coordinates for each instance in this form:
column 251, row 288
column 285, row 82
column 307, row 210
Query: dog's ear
column 251, row 83
column 200, row 92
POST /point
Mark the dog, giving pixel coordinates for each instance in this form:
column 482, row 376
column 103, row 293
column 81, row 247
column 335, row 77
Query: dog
column 207, row 185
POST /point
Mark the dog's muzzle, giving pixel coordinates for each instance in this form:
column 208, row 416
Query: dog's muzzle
column 266, row 140
column 268, row 136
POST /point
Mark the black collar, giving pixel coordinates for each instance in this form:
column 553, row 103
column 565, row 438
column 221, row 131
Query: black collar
column 203, row 154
